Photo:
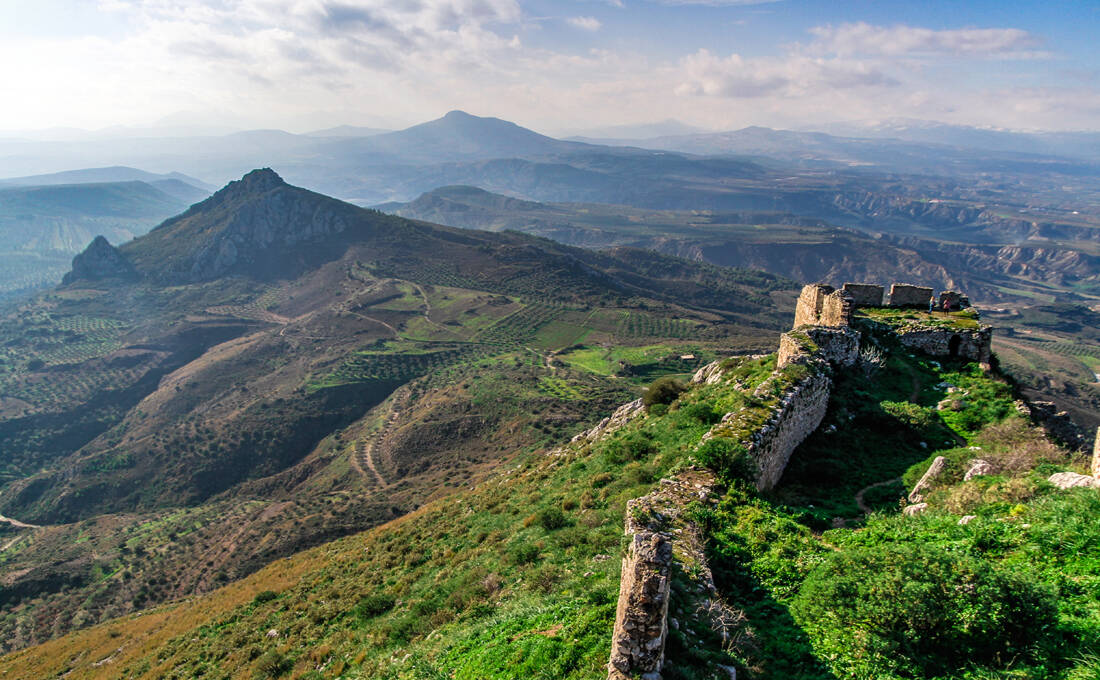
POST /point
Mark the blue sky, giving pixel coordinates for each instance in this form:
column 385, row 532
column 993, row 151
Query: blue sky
column 556, row 66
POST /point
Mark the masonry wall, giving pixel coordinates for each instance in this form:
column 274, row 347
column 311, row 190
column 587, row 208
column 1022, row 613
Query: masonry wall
column 905, row 295
column 946, row 342
column 810, row 301
column 1096, row 455
column 836, row 309
column 801, row 409
column 660, row 534
column 865, row 294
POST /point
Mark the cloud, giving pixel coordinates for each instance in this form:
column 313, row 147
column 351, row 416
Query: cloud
column 866, row 39
column 585, row 23
column 793, row 76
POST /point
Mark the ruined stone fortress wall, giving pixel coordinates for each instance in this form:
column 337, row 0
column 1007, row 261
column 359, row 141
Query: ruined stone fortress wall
column 801, row 409
column 822, row 341
column 906, row 295
column 975, row 345
column 865, row 294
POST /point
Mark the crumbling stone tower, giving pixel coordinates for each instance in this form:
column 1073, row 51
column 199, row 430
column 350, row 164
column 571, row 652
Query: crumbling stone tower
column 822, row 305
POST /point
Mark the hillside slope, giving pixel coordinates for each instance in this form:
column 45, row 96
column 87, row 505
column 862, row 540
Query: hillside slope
column 275, row 368
column 823, row 578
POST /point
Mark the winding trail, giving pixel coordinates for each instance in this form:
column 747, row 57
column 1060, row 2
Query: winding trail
column 363, row 458
column 859, row 495
column 18, row 524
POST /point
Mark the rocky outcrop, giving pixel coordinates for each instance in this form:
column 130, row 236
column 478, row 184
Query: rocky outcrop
column 930, row 475
column 99, row 261
column 709, row 374
column 661, row 539
column 620, row 417
column 978, row 468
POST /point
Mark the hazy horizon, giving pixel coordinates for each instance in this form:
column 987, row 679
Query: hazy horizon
column 555, row 67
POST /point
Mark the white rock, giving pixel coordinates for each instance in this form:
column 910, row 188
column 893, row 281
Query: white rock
column 979, row 468
column 967, row 519
column 934, row 471
column 916, row 509
column 1068, row 480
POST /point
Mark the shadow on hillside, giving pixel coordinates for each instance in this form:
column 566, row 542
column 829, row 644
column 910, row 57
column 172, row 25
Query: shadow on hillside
column 773, row 644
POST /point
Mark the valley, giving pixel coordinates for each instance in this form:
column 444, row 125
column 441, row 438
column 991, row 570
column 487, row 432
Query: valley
column 235, row 410
column 273, row 382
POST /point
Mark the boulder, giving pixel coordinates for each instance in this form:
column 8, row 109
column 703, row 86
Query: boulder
column 978, row 468
column 1068, row 480
column 916, row 509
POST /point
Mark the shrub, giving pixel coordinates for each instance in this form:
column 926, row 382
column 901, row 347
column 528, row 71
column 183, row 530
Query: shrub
column 633, row 446
column 920, row 611
column 272, row 665
column 551, row 519
column 728, row 458
column 265, row 596
column 525, row 553
column 373, row 605
column 703, row 412
column 663, row 391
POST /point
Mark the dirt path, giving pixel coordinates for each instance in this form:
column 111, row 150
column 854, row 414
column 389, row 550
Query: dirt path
column 18, row 524
column 363, row 458
column 859, row 495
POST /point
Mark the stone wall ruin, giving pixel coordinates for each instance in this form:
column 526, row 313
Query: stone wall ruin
column 808, row 309
column 865, row 294
column 907, row 295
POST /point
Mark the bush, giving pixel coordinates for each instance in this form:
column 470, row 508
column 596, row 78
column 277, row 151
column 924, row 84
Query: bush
column 551, row 519
column 920, row 612
column 633, row 446
column 703, row 412
column 524, row 553
column 373, row 605
column 663, row 391
column 265, row 596
column 728, row 458
column 272, row 665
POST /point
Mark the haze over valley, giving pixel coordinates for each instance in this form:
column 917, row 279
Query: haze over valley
column 504, row 339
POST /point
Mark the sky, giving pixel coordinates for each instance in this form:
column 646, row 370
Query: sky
column 557, row 67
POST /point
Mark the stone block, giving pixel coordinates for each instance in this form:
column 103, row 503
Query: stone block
column 907, row 295
column 865, row 294
column 836, row 309
column 810, row 301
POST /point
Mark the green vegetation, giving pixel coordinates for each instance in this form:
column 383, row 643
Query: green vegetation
column 519, row 574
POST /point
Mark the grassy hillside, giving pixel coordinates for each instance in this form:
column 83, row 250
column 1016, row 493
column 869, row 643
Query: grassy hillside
column 517, row 576
column 178, row 430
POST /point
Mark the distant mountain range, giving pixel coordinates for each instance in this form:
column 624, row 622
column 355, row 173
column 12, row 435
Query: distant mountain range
column 678, row 171
column 785, row 244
